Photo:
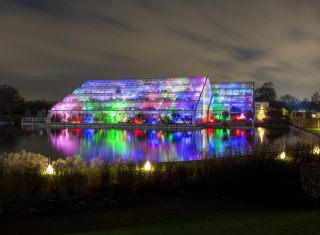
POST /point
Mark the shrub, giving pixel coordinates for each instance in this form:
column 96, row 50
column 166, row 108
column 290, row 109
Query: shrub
column 261, row 176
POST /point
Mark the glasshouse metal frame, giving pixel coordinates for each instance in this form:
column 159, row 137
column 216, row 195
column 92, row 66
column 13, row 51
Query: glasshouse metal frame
column 232, row 102
column 136, row 101
column 165, row 101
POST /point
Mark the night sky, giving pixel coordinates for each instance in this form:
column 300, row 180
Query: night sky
column 48, row 48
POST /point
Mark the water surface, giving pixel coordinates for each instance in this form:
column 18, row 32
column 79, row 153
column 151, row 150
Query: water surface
column 114, row 145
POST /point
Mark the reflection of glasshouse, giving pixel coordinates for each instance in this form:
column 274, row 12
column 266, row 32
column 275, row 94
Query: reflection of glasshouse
column 154, row 102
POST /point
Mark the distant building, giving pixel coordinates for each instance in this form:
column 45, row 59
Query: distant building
column 310, row 119
column 302, row 114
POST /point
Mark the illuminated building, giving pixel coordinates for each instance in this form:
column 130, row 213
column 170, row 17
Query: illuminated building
column 232, row 102
column 165, row 101
column 136, row 101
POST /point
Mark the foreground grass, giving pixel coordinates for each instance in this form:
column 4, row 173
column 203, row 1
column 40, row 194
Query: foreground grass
column 183, row 215
column 257, row 222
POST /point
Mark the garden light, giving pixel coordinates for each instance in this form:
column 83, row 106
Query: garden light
column 316, row 150
column 147, row 166
column 282, row 156
column 50, row 170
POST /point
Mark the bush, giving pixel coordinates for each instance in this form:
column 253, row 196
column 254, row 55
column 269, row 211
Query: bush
column 261, row 177
column 310, row 178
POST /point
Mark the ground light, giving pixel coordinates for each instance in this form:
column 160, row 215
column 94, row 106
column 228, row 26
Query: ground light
column 282, row 156
column 50, row 169
column 147, row 166
column 316, row 150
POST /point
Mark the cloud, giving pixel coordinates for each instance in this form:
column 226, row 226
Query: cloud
column 49, row 7
column 247, row 54
column 48, row 48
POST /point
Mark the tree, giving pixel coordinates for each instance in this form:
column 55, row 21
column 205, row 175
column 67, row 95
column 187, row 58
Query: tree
column 289, row 100
column 315, row 98
column 304, row 104
column 10, row 100
column 38, row 105
column 265, row 93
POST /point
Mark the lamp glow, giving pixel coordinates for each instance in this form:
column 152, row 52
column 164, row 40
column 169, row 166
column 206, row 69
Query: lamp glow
column 261, row 114
column 316, row 150
column 282, row 156
column 261, row 132
column 50, row 170
column 147, row 166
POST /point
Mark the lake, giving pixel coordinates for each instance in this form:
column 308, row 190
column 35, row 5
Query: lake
column 114, row 145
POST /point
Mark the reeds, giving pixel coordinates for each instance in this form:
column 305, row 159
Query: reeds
column 258, row 176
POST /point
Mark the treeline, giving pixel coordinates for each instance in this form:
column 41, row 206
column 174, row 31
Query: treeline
column 267, row 93
column 13, row 106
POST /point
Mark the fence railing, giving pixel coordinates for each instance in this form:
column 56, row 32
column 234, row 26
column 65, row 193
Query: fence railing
column 34, row 120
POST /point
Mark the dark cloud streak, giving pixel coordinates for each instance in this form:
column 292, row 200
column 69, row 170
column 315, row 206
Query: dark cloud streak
column 49, row 47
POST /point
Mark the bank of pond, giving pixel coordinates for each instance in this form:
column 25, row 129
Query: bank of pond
column 30, row 184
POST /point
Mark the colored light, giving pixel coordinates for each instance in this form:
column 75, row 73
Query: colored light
column 110, row 101
column 238, row 132
column 114, row 145
column 233, row 100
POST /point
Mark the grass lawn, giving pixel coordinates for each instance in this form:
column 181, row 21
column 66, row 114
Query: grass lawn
column 315, row 131
column 200, row 215
column 259, row 222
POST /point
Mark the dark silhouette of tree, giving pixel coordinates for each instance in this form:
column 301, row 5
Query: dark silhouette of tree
column 289, row 100
column 315, row 98
column 37, row 108
column 265, row 93
column 304, row 104
column 10, row 100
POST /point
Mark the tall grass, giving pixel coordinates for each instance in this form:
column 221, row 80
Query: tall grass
column 260, row 176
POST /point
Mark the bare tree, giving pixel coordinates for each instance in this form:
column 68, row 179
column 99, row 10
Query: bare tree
column 315, row 98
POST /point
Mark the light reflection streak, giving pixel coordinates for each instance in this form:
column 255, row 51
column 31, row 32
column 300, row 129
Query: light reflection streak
column 137, row 145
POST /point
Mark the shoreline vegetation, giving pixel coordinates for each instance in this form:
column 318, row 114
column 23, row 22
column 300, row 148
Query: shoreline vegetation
column 262, row 178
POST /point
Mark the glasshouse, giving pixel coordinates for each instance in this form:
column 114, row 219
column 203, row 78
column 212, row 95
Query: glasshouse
column 136, row 101
column 232, row 102
column 165, row 101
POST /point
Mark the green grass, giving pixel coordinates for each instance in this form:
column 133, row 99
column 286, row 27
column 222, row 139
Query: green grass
column 315, row 131
column 256, row 222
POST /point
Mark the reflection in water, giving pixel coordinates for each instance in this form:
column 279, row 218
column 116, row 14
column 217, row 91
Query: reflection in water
column 142, row 145
column 155, row 145
column 261, row 133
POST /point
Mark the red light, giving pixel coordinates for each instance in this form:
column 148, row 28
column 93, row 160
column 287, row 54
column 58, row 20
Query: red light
column 137, row 132
column 240, row 117
column 212, row 119
column 76, row 131
column 136, row 121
